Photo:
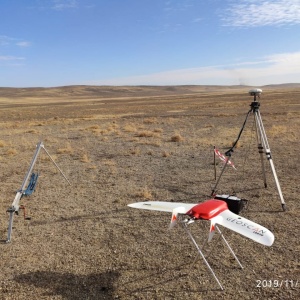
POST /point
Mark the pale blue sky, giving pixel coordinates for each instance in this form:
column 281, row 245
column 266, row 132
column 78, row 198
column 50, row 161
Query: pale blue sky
column 149, row 42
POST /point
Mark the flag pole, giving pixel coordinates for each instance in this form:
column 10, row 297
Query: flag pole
column 215, row 167
column 224, row 167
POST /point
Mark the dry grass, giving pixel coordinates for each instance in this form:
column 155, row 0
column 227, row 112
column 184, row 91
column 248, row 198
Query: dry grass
column 150, row 120
column 33, row 131
column 66, row 150
column 277, row 130
column 135, row 151
column 165, row 154
column 95, row 129
column 85, row 158
column 147, row 133
column 109, row 162
column 177, row 137
column 130, row 128
column 144, row 193
column 11, row 152
column 83, row 242
column 158, row 130
column 155, row 143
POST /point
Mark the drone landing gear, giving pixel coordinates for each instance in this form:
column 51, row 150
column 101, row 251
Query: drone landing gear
column 184, row 224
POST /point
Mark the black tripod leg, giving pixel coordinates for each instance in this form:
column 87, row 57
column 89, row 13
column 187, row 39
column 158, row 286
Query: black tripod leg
column 224, row 167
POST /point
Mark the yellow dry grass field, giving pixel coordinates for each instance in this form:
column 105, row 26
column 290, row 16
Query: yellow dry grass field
column 119, row 145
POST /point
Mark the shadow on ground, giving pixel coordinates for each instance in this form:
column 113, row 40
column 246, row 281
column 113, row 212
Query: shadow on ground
column 70, row 286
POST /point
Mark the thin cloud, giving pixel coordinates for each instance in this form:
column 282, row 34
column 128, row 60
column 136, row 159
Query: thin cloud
column 23, row 44
column 172, row 8
column 64, row 4
column 8, row 41
column 276, row 68
column 197, row 20
column 5, row 40
column 255, row 13
column 10, row 58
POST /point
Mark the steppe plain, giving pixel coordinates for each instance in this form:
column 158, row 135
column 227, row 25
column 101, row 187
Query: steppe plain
column 119, row 145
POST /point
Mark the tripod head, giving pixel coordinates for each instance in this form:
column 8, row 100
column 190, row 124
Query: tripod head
column 255, row 93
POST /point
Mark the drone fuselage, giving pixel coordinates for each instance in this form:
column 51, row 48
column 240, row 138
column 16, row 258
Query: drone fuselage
column 207, row 210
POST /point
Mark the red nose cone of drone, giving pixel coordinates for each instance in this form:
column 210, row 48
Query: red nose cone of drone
column 208, row 209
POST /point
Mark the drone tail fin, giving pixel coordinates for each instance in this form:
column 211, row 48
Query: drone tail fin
column 175, row 212
column 212, row 230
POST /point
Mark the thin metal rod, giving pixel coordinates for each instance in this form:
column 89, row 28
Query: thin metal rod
column 61, row 172
column 227, row 244
column 215, row 166
column 10, row 224
column 184, row 225
column 230, row 249
column 202, row 247
column 35, row 156
column 260, row 147
column 268, row 154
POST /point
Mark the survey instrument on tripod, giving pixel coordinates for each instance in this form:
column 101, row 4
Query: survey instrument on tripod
column 262, row 144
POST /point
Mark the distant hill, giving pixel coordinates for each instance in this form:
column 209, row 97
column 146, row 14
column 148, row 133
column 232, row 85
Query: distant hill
column 78, row 91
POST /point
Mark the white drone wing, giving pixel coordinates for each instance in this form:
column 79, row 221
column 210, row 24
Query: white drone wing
column 174, row 207
column 225, row 218
column 244, row 227
column 161, row 206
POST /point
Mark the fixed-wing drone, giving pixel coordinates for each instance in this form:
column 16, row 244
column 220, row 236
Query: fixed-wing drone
column 218, row 213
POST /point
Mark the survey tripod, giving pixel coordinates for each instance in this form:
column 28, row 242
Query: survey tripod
column 262, row 144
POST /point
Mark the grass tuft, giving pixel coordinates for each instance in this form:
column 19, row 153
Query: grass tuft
column 11, row 152
column 177, row 138
column 85, row 158
column 67, row 150
column 145, row 194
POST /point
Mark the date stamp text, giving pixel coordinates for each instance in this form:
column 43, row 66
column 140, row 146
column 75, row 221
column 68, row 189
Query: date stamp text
column 277, row 283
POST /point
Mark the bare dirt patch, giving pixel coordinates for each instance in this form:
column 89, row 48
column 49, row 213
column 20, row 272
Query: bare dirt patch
column 128, row 144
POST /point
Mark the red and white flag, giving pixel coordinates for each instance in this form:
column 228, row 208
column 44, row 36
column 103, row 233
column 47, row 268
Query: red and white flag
column 224, row 158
